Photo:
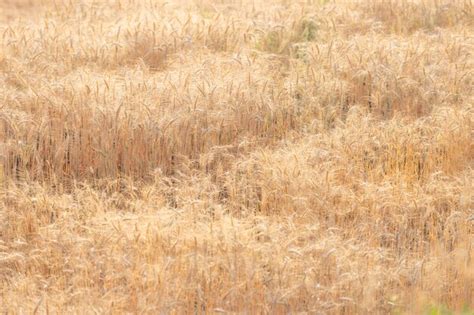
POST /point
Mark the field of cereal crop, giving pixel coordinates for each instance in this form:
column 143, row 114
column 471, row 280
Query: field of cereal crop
column 236, row 156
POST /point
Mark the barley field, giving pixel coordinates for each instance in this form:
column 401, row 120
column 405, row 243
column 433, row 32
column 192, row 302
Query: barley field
column 236, row 156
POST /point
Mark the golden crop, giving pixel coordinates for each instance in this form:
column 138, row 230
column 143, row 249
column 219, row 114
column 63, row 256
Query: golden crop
column 236, row 156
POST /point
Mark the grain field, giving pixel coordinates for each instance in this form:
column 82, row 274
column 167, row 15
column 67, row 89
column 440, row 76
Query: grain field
column 236, row 156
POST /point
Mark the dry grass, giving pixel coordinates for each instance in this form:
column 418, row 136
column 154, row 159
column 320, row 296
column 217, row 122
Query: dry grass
column 236, row 156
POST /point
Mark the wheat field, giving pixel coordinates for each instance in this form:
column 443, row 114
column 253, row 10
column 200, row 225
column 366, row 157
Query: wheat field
column 236, row 156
